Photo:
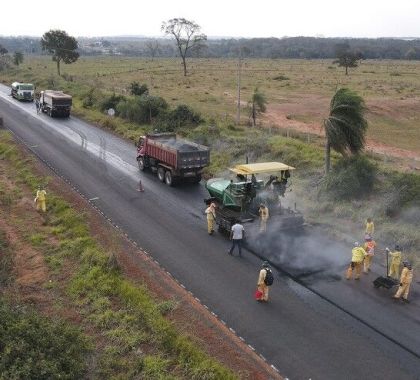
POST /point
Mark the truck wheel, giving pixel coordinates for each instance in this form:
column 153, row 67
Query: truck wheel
column 168, row 178
column 140, row 161
column 161, row 174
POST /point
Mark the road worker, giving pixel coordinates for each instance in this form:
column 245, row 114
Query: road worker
column 211, row 217
column 405, row 282
column 394, row 267
column 370, row 227
column 369, row 247
column 358, row 255
column 264, row 215
column 40, row 199
column 262, row 285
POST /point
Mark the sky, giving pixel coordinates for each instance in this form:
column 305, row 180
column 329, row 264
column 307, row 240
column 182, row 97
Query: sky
column 217, row 18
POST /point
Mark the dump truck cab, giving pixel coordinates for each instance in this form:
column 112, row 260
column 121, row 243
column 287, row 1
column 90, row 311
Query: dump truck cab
column 23, row 91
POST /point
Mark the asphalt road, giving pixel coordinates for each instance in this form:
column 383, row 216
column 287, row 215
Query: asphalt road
column 316, row 325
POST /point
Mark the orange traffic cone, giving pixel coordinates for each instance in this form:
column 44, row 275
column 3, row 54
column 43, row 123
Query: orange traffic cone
column 140, row 188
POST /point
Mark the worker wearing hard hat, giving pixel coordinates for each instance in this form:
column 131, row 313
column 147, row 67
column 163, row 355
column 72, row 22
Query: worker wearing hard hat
column 40, row 199
column 263, row 284
column 370, row 227
column 264, row 215
column 211, row 217
column 369, row 247
column 394, row 267
column 357, row 256
column 405, row 282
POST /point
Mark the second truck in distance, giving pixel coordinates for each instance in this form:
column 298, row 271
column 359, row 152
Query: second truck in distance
column 55, row 103
column 172, row 158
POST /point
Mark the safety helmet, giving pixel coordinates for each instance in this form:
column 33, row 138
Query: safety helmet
column 398, row 248
column 265, row 264
column 368, row 237
column 356, row 244
column 407, row 264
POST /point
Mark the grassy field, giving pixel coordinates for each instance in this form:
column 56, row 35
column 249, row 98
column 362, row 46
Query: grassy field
column 298, row 89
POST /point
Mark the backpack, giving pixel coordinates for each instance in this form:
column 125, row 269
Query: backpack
column 269, row 279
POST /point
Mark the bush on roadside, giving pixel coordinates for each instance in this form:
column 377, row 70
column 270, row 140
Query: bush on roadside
column 141, row 109
column 352, row 177
column 111, row 101
column 33, row 347
column 138, row 90
column 403, row 191
column 181, row 116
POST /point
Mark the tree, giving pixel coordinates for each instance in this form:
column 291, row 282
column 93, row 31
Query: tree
column 17, row 58
column 187, row 37
column 346, row 57
column 346, row 126
column 257, row 105
column 3, row 50
column 62, row 47
column 153, row 47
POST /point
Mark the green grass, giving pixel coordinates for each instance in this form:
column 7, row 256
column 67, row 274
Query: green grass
column 393, row 86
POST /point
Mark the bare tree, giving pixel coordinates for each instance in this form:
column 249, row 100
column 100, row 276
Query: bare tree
column 187, row 36
column 153, row 47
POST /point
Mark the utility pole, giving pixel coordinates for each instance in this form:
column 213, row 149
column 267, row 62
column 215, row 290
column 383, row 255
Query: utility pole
column 238, row 110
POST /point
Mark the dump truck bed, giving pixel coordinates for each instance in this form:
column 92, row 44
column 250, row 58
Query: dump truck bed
column 178, row 153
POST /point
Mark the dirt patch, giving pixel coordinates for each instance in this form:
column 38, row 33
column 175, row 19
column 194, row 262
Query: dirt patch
column 305, row 115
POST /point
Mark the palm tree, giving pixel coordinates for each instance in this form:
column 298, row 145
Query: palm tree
column 346, row 126
column 257, row 105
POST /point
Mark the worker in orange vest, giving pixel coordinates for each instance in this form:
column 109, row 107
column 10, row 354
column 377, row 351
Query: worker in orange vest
column 369, row 247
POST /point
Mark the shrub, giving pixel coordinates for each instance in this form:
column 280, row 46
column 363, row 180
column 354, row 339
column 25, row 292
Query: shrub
column 142, row 109
column 6, row 260
column 181, row 116
column 111, row 102
column 351, row 177
column 403, row 191
column 138, row 90
column 36, row 348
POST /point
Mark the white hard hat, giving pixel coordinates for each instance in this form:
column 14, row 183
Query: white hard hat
column 356, row 244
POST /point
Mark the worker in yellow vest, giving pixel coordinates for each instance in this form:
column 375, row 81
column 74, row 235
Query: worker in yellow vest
column 394, row 267
column 405, row 282
column 264, row 215
column 357, row 256
column 40, row 199
column 211, row 217
column 370, row 227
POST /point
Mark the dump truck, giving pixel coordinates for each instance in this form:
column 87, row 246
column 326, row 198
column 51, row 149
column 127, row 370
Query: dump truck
column 172, row 158
column 240, row 200
column 55, row 103
column 23, row 91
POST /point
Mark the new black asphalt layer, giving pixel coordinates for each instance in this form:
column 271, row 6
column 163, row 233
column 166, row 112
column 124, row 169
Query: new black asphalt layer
column 298, row 332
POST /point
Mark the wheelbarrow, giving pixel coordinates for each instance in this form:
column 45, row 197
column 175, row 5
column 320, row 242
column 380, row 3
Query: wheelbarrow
column 385, row 281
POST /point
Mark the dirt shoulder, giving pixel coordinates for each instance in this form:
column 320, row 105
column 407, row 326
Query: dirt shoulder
column 32, row 277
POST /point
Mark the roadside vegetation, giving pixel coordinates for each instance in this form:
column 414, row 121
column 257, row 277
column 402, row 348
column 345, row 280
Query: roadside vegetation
column 75, row 315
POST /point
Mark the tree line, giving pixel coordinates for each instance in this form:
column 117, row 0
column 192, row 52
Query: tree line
column 288, row 47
